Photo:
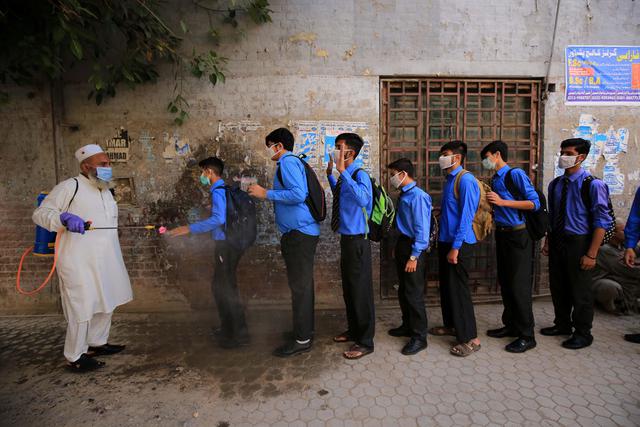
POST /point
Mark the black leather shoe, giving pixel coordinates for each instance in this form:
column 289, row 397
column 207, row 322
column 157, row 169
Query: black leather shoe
column 228, row 343
column 105, row 350
column 413, row 346
column 521, row 345
column 576, row 342
column 634, row 338
column 84, row 364
column 553, row 331
column 501, row 332
column 292, row 348
column 400, row 331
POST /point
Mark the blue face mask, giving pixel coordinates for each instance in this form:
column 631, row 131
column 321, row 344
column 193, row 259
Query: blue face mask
column 104, row 174
column 204, row 180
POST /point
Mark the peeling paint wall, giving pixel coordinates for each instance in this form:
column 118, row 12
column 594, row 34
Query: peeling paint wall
column 318, row 64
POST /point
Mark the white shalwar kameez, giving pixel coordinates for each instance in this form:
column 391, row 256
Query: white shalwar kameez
column 93, row 277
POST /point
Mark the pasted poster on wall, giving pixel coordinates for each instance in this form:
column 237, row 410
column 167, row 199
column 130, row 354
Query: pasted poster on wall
column 609, row 143
column 602, row 75
column 317, row 139
column 117, row 148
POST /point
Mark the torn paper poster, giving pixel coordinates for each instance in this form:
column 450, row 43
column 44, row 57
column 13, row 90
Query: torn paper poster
column 587, row 120
column 176, row 146
column 316, row 139
column 613, row 178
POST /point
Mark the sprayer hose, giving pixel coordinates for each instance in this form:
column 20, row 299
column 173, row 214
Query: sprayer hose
column 53, row 267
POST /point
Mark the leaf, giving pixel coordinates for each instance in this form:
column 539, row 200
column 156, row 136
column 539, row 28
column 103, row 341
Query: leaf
column 99, row 98
column 213, row 79
column 178, row 121
column 183, row 26
column 76, row 48
column 173, row 109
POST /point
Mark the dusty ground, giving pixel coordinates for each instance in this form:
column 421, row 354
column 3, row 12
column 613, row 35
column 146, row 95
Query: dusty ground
column 173, row 375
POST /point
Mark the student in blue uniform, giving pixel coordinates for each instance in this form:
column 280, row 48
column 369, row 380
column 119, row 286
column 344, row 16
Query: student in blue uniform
column 413, row 221
column 577, row 231
column 454, row 250
column 300, row 235
column 631, row 239
column 233, row 327
column 352, row 205
column 514, row 247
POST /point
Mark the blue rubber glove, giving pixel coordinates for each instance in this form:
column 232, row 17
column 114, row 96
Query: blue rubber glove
column 74, row 223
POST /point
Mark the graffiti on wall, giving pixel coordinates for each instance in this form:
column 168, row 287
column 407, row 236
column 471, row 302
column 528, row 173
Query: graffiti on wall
column 117, row 148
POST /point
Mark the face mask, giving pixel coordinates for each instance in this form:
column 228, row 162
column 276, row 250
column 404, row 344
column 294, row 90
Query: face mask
column 271, row 153
column 566, row 162
column 488, row 164
column 396, row 181
column 204, row 180
column 104, row 174
column 336, row 154
column 446, row 161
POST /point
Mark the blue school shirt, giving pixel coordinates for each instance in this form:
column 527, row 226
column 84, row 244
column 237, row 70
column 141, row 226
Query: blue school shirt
column 632, row 229
column 576, row 220
column 510, row 217
column 354, row 196
column 216, row 222
column 413, row 217
column 456, row 216
column 292, row 213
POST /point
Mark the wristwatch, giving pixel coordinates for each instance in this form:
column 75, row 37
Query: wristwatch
column 413, row 257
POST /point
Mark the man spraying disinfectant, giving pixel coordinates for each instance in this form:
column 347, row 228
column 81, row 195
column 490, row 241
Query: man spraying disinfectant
column 93, row 277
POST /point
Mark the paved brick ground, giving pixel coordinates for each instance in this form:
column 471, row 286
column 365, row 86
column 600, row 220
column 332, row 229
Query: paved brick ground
column 173, row 375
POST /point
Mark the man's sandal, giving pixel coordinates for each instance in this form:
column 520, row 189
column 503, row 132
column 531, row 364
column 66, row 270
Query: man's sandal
column 464, row 349
column 356, row 352
column 343, row 337
column 441, row 331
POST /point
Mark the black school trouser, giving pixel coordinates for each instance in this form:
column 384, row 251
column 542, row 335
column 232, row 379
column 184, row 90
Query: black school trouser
column 299, row 250
column 411, row 289
column 514, row 252
column 357, row 288
column 225, row 291
column 571, row 286
column 457, row 307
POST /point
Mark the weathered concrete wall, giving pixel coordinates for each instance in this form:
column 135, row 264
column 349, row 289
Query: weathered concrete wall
column 317, row 61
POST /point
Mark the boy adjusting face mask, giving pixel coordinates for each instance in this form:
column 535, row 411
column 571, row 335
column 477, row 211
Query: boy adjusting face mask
column 273, row 150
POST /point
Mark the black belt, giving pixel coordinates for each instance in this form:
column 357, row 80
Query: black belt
column 510, row 229
column 353, row 236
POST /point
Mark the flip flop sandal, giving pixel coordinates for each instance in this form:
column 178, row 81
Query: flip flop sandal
column 441, row 331
column 464, row 350
column 343, row 337
column 359, row 350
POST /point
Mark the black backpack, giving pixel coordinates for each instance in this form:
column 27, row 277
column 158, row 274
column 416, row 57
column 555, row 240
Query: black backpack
column 241, row 223
column 585, row 193
column 315, row 201
column 382, row 213
column 537, row 222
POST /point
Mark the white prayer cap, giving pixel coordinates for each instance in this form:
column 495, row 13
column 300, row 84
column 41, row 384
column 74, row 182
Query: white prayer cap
column 87, row 151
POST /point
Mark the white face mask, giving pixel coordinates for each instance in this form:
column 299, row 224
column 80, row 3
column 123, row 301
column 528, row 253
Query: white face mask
column 566, row 162
column 270, row 153
column 336, row 154
column 488, row 164
column 446, row 161
column 396, row 181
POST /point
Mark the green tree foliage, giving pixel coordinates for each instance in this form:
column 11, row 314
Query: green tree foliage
column 115, row 42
